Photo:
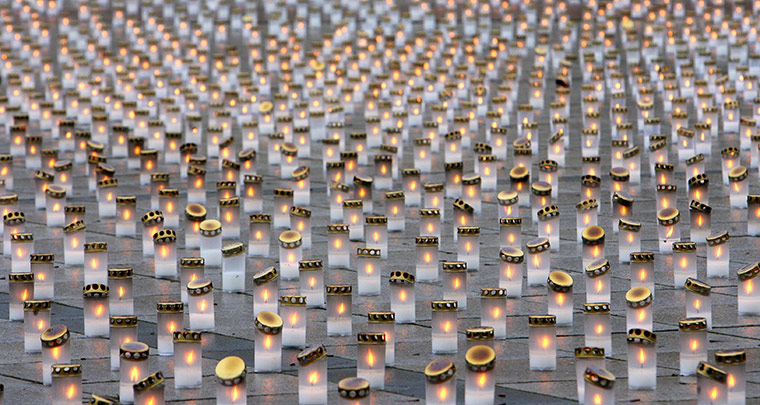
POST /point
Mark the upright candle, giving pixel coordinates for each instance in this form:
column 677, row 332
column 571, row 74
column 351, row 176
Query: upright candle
column 733, row 362
column 585, row 358
column 371, row 358
column 402, row 296
column 712, row 384
column 231, row 381
column 480, row 382
column 693, row 340
column 542, row 342
column 67, row 383
column 642, row 359
column 134, row 367
column 56, row 349
column 440, row 382
column 599, row 386
column 200, row 302
column 187, row 359
column 698, row 301
column 169, row 320
column 312, row 375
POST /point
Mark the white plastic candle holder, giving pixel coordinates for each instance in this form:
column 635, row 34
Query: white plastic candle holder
column 339, row 307
column 301, row 185
column 152, row 222
column 54, row 202
column 268, row 350
column 253, row 201
column 402, row 296
column 169, row 320
column 312, row 375
column 585, row 358
column 468, row 246
column 540, row 197
column 165, row 254
column 666, row 196
column 434, row 198
column 639, row 312
column 96, row 310
column 599, row 386
column 384, row 322
column 120, row 298
column 259, row 229
column 698, row 301
column 125, row 216
column 454, row 179
column 464, row 215
column 440, row 382
column 733, row 362
column 293, row 313
column 718, row 254
column 642, row 359
column 700, row 220
column 134, row 366
column 200, row 302
column 22, row 245
column 41, row 265
column 266, row 294
column 36, row 320
column 123, row 329
column 444, row 326
column 712, row 384
column 411, row 186
column 480, row 381
column 211, row 242
column 233, row 267
column 684, row 262
column 538, row 261
column 669, row 229
column 66, row 383
column 542, row 342
column 168, row 204
column 56, row 349
column 395, row 210
column 597, row 325
column 371, row 358
column 430, row 222
column 187, row 358
column 693, row 343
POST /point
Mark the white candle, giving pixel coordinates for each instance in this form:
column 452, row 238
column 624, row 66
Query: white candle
column 36, row 320
column 312, row 376
column 480, row 382
column 712, row 384
column 231, row 381
column 693, row 342
column 169, row 320
column 733, row 362
column 542, row 342
column 201, row 304
column 642, row 359
column 134, row 367
column 339, row 307
column 440, row 385
column 599, row 386
column 698, row 300
column 402, row 296
column 371, row 358
column 718, row 254
column 150, row 389
column 586, row 357
column 444, row 326
column 187, row 359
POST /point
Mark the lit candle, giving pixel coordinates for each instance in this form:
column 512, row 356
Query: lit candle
column 666, row 195
column 354, row 391
column 353, row 216
column 233, row 267
column 260, row 226
column 453, row 179
column 444, row 326
column 125, row 216
column 41, row 265
column 712, row 384
column 411, row 186
column 539, row 261
column 693, row 340
column 395, row 210
column 384, row 322
column 169, row 319
column 440, row 382
column 338, row 245
column 669, row 230
column 36, row 320
column 434, row 198
column 748, row 295
column 6, row 170
column 291, row 252
column 96, row 310
column 56, row 349
column 480, row 381
column 301, row 185
column 153, row 222
column 695, row 165
column 134, row 367
column 468, row 246
column 268, row 351
column 335, row 170
column 66, row 380
column 739, row 187
column 293, row 313
column 599, row 386
column 201, row 304
column 684, row 262
column 54, row 202
column 150, row 390
column 642, row 270
column 427, row 258
column 123, row 329
column 587, row 358
column 560, row 298
column 369, row 268
column 283, row 200
column 508, row 204
column 42, row 180
column 593, row 244
column 266, row 293
column 22, row 245
column 733, row 362
column 376, row 234
column 252, row 197
column 288, row 159
column 195, row 214
column 423, row 155
column 453, row 147
column 658, row 155
column 543, row 342
column 211, row 242
column 639, row 310
column 430, row 222
column 493, row 310
column 338, row 309
column 106, row 196
column 168, row 204
column 312, row 375
column 701, row 221
column 591, row 166
column 363, row 192
column 231, row 384
column 718, row 254
column 590, row 140
column 196, row 185
column 642, row 359
column 402, row 296
column 556, row 149
column 371, row 358
column 471, row 185
column 698, row 301
column 596, row 325
column 598, row 281
column 148, row 165
column 165, row 248
column 187, row 359
column 8, row 204
column 32, row 157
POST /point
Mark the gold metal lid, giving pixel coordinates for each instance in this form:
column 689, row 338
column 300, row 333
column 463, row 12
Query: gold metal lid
column 692, row 324
column 192, row 262
column 401, row 277
column 338, row 289
column 596, row 307
column 480, row 358
column 353, row 388
column 381, row 317
column 201, row 286
column 548, row 212
column 66, row 370
column 430, row 212
column 598, row 268
column 620, row 174
column 641, row 336
column 170, row 307
column 152, row 381
column 697, row 206
column 599, row 377
column 21, row 277
column 748, row 271
column 444, row 305
column 697, row 286
column 468, row 230
column 55, row 335
column 638, row 297
column 589, row 352
column 371, row 338
column 293, row 300
column 587, row 205
column 376, row 220
column 290, row 239
column 233, row 249
column 164, row 236
column 589, row 180
column 126, row 200
column 311, row 355
column 440, row 370
column 560, row 281
column 37, row 305
column 41, row 258
column 230, row 371
column 22, row 237
column 129, row 321
column 210, row 228
column 714, row 373
column 454, row 266
column 337, row 228
column 134, row 351
column 718, row 238
column 593, row 235
column 730, row 357
column 260, row 218
column 306, row 265
column 433, row 187
column 493, row 292
column 462, row 205
column 268, row 322
column 152, row 218
column 426, row 241
column 511, row 255
column 507, row 197
column 266, row 275
column 95, row 291
column 519, row 173
column 542, row 320
column 668, row 216
column 55, row 191
column 737, row 173
column 541, row 188
column 538, row 245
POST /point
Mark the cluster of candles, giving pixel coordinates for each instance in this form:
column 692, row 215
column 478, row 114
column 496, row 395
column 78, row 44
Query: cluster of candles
column 414, row 127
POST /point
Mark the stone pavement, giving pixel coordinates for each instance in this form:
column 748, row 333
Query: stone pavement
column 234, row 332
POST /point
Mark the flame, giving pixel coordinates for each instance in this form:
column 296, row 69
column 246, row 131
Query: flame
column 171, row 327
column 250, row 192
column 496, row 313
column 402, row 295
column 291, row 257
column 482, row 380
column 731, row 381
column 341, row 308
column 370, row 358
column 642, row 356
column 376, row 236
column 41, row 276
column 714, row 394
column 560, row 299
column 40, row 324
column 430, row 228
column 265, row 295
column 190, row 357
column 368, row 269
column 71, row 391
column 268, row 342
column 642, row 315
column 127, row 215
column 337, row 244
column 443, row 394
column 56, row 352
column 467, row 246
column 697, row 304
column 313, row 377
column 694, row 345
column 670, row 232
column 235, row 393
column 597, row 399
column 446, row 327
column 536, row 261
column 202, row 305
column 74, row 243
column 99, row 310
column 545, row 342
column 134, row 374
column 599, row 329
column 748, row 286
column 718, row 252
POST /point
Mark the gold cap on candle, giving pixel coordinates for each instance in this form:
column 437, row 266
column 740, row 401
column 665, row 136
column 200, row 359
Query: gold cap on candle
column 730, row 357
column 164, row 236
column 123, row 321
column 154, row 380
column 290, row 239
column 169, row 307
column 541, row 188
column 507, row 197
column 748, row 271
column 195, row 212
column 201, row 286
column 188, row 336
column 596, row 307
column 593, row 235
column 620, row 174
column 511, row 255
column 134, row 351
column 697, row 206
column 692, row 324
column 230, row 371
column 599, row 377
column 542, row 320
column 628, row 225
column 401, row 277
column 433, row 187
column 311, row 355
column 682, row 247
column 493, row 292
column 66, row 370
column 444, row 305
column 538, row 245
column 381, row 317
column 41, row 258
column 268, row 322
column 233, row 249
column 338, row 289
column 353, row 388
column 638, row 297
column 265, row 276
column 72, row 227
column 152, row 218
column 260, row 219
column 95, row 290
column 430, row 212
column 548, row 212
column 589, row 352
column 560, row 281
column 712, row 372
column 293, row 300
column 519, row 173
column 55, row 336
column 440, row 370
column 23, row 277
column 36, row 305
column 622, row 198
column 598, row 268
column 55, row 191
column 718, row 238
column 192, row 262
column 308, row 265
column 668, row 216
column 480, row 358
column 210, row 228
column 697, row 286
column 371, row 338
column 587, row 205
column 641, row 336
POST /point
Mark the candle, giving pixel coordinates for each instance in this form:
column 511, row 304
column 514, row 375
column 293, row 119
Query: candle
column 639, row 309
column 560, row 299
column 288, row 159
column 266, row 293
column 169, row 320
column 338, row 309
column 168, row 205
column 599, row 386
column 353, row 216
column 290, row 254
column 642, row 270
column 596, row 325
column 233, row 267
column 684, row 262
column 376, row 234
column 394, row 211
column 133, row 367
column 165, row 248
column 338, row 245
column 666, row 195
column 587, row 358
column 211, row 242
column 508, row 204
column 733, row 362
column 150, row 390
column 739, row 187
column 363, row 192
column 464, row 215
column 260, row 226
column 36, row 320
column 693, row 341
column 427, row 258
column 591, row 167
column 729, row 160
column 698, row 301
column 453, row 179
column 434, row 198
column 371, row 358
column 312, row 375
column 480, row 382
column 6, row 170
column 642, row 359
column 231, row 383
column 542, row 343
column 453, row 147
column 54, row 203
column 519, row 178
column 201, row 304
column 510, row 232
column 293, row 313
column 444, row 326
column 196, row 184
column 369, row 268
column 268, row 353
column 590, row 188
column 106, row 196
column 8, row 204
column 123, row 329
column 148, row 165
column 66, row 379
column 402, row 296
column 669, row 230
column 712, row 384
column 56, row 349
column 41, row 265
column 540, row 197
column 411, row 186
column 133, row 154
column 539, row 261
column 695, row 165
column 301, row 185
column 471, row 186
column 493, row 309
column 556, row 149
column 384, row 322
column 718, row 254
column 701, row 221
column 440, row 382
column 468, row 246
column 125, row 214
column 252, row 197
column 423, row 155
column 748, row 295
column 187, row 358
column 22, row 245
column 354, row 391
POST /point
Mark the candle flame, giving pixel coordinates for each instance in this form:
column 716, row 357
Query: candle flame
column 496, row 313
column 718, row 252
column 642, row 315
column 402, row 295
column 714, row 393
column 370, row 358
column 190, row 358
column 642, row 356
column 467, row 247
column 99, row 310
column 94, row 263
column 134, row 374
column 443, row 393
column 599, row 329
column 265, row 295
column 40, row 324
column 731, row 381
column 74, row 243
column 670, row 232
column 748, row 286
column 127, row 215
column 313, row 377
column 341, row 308
column 56, row 352
column 121, row 292
column 694, row 345
column 597, row 399
column 268, row 342
column 376, row 236
column 202, row 305
column 482, row 380
column 235, row 393
column 545, row 342
column 368, row 269
column 697, row 304
column 294, row 319
column 71, row 391
column 446, row 327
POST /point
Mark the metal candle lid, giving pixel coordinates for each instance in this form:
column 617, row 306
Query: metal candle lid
column 638, row 297
column 290, row 239
column 128, row 321
column 230, row 371
column 170, row 307
column 748, row 271
column 268, row 322
column 507, row 197
column 697, row 286
column 55, row 336
column 730, row 357
column 401, row 277
column 154, row 380
column 311, row 355
column 371, row 338
column 542, row 320
column 210, row 228
column 440, row 370
column 712, row 372
column 37, row 305
column 66, row 370
column 718, row 238
column 668, row 216
column 480, row 358
column 593, row 235
column 641, row 336
column 201, row 286
column 95, row 291
column 598, row 268
column 353, row 388
column 192, row 262
column 589, row 352
column 538, row 245
column 152, row 218
column 692, row 324
column 445, row 305
column 265, row 276
column 560, row 281
column 134, row 351
column 599, row 377
column 338, row 289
